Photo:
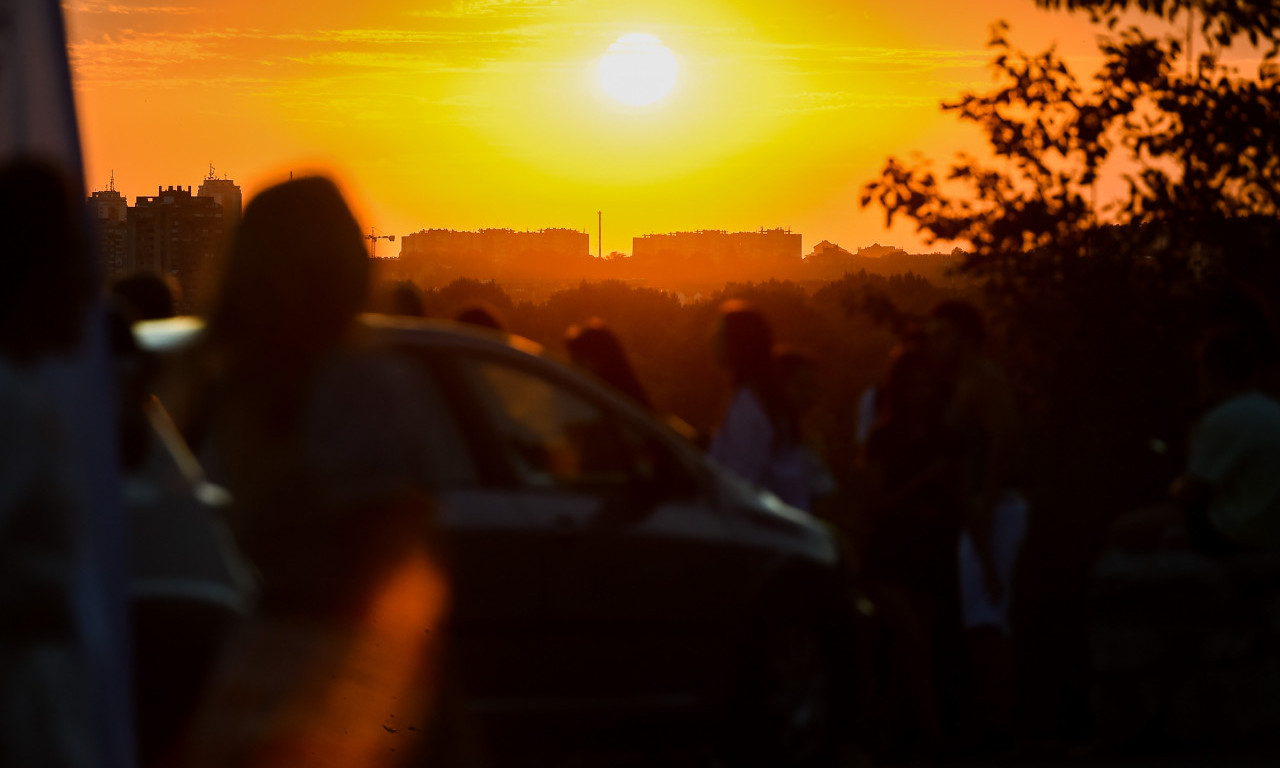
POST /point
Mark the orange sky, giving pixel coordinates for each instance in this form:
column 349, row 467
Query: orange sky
column 487, row 113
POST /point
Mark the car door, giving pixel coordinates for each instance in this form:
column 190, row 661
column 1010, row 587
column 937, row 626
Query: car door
column 602, row 530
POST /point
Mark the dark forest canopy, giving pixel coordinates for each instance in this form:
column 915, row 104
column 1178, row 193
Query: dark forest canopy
column 848, row 325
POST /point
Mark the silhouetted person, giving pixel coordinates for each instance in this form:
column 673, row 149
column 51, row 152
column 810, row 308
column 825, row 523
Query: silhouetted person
column 399, row 297
column 46, row 715
column 910, row 564
column 797, row 375
column 1181, row 594
column 147, row 295
column 320, row 438
column 758, row 428
column 982, row 413
column 1236, row 362
column 870, row 406
column 484, row 317
column 597, row 349
column 1230, row 492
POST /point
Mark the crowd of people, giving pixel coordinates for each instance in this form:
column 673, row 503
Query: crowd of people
column 321, row 556
column 940, row 524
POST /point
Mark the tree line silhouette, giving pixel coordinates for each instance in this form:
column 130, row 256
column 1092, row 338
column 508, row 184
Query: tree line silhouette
column 1099, row 303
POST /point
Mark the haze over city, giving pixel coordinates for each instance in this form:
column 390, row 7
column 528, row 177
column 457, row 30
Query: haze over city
column 497, row 113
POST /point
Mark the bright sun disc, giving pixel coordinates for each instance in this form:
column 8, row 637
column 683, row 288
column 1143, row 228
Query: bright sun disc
column 638, row 69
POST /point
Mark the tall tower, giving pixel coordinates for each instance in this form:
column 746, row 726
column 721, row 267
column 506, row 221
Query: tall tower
column 179, row 234
column 227, row 194
column 109, row 212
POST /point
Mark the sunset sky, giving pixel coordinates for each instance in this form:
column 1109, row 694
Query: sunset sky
column 489, row 113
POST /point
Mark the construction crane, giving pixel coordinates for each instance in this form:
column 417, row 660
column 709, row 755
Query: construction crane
column 373, row 239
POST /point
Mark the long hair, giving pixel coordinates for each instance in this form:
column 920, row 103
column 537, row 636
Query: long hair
column 296, row 277
column 598, row 349
column 790, row 365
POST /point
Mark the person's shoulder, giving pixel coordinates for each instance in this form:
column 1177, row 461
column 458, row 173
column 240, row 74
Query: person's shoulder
column 745, row 399
column 988, row 374
column 1259, row 402
column 1248, row 419
column 14, row 387
column 745, row 409
column 983, row 387
column 1251, row 407
column 25, row 399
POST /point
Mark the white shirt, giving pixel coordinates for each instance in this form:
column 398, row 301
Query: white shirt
column 745, row 445
column 1235, row 449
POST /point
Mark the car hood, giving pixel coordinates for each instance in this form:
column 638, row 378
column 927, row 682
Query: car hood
column 760, row 518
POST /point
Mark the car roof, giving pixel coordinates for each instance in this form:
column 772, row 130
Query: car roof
column 172, row 334
column 447, row 333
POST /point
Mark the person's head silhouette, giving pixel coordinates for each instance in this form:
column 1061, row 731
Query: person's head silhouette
column 596, row 348
column 480, row 315
column 48, row 281
column 744, row 343
column 296, row 277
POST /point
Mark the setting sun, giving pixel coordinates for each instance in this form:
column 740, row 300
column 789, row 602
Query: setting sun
column 668, row 114
column 638, row 69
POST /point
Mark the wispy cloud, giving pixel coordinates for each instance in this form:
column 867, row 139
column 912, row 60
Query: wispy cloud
column 818, row 101
column 148, row 59
column 381, row 60
column 831, row 102
column 828, row 58
column 129, row 9
column 505, row 8
column 278, row 60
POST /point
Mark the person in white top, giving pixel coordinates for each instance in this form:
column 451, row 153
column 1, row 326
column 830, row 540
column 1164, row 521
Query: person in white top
column 983, row 414
column 1230, row 492
column 756, row 438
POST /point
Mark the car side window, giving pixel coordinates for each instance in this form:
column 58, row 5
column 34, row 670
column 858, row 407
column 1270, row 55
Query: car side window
column 385, row 416
column 554, row 437
column 448, row 449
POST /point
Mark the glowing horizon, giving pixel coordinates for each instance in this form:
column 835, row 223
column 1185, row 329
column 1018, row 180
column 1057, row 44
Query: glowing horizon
column 492, row 113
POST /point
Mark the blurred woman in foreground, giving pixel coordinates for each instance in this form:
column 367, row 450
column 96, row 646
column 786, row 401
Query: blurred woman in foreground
column 319, row 438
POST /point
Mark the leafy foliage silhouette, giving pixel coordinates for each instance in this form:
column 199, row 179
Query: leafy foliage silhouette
column 1090, row 294
column 1098, row 303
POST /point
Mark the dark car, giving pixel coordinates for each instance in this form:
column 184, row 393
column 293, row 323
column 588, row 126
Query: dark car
column 608, row 578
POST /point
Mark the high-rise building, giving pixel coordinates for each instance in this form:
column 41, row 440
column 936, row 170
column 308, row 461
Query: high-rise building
column 727, row 255
column 717, row 245
column 179, row 234
column 497, row 253
column 227, row 194
column 109, row 212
